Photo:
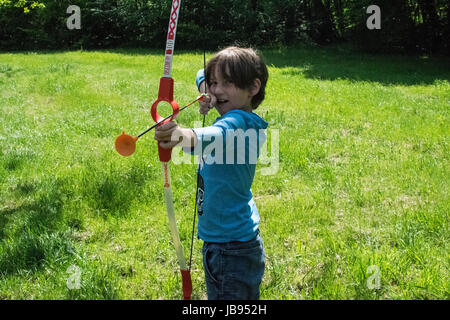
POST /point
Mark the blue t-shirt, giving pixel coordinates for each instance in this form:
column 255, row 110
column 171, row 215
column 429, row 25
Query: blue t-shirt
column 200, row 78
column 230, row 150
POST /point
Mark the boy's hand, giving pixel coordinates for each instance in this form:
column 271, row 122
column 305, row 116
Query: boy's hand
column 171, row 135
column 165, row 132
column 209, row 102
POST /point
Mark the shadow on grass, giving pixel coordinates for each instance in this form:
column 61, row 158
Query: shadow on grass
column 15, row 160
column 111, row 190
column 340, row 62
column 334, row 63
column 33, row 236
column 35, row 222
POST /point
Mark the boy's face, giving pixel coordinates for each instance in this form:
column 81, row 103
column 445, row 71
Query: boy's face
column 228, row 95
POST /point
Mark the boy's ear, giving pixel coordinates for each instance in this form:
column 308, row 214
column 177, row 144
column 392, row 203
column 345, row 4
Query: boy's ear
column 255, row 87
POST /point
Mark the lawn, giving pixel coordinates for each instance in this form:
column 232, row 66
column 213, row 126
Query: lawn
column 358, row 207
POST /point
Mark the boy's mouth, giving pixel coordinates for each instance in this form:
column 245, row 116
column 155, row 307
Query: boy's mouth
column 221, row 101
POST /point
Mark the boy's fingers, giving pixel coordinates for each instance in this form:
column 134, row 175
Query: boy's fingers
column 164, row 131
column 208, row 104
column 213, row 101
column 168, row 144
column 205, row 102
column 206, row 99
column 165, row 145
column 166, row 126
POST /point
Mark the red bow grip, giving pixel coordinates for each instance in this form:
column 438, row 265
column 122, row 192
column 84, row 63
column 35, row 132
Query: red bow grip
column 165, row 94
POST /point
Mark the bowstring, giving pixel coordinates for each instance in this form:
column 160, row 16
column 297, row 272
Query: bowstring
column 201, row 157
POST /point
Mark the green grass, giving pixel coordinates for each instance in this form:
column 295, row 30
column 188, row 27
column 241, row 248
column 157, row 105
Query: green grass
column 362, row 179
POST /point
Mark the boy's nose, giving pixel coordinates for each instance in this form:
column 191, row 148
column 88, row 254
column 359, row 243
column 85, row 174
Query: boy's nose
column 218, row 90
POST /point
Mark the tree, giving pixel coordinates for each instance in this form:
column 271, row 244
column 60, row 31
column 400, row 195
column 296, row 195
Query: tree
column 26, row 5
column 432, row 31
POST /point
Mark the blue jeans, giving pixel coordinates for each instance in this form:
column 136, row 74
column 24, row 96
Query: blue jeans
column 233, row 270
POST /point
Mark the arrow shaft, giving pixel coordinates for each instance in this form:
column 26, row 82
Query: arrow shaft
column 160, row 121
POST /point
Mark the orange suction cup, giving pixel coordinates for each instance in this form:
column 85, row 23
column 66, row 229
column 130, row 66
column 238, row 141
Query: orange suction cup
column 125, row 144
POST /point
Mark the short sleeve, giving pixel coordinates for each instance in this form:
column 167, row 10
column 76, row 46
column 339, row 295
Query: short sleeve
column 200, row 78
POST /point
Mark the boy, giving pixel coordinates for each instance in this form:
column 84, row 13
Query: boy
column 233, row 252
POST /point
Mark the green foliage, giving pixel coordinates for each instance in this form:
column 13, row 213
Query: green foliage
column 406, row 25
column 26, row 5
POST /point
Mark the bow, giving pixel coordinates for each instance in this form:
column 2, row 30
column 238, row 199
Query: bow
column 165, row 93
column 126, row 145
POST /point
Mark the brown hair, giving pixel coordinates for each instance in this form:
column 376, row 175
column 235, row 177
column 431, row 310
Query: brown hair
column 244, row 66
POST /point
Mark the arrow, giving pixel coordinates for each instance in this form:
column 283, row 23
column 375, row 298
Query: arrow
column 126, row 144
